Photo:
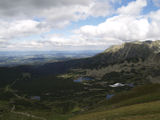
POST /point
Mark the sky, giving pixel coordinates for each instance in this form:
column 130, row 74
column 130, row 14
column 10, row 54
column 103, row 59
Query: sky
column 69, row 25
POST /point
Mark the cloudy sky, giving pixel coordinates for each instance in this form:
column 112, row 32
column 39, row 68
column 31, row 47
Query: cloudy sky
column 76, row 24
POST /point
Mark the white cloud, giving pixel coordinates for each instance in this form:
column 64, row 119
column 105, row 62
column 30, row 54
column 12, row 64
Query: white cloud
column 154, row 18
column 100, row 9
column 20, row 28
column 122, row 28
column 133, row 8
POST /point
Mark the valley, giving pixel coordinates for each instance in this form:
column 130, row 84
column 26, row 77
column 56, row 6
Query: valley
column 15, row 58
column 121, row 83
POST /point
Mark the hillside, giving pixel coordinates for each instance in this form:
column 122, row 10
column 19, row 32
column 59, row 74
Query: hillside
column 141, row 103
column 144, row 111
column 131, row 52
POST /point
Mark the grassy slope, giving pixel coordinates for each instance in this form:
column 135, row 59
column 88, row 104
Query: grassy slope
column 144, row 111
column 141, row 103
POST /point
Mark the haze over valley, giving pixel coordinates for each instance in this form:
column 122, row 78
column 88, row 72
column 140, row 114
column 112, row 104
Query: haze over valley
column 14, row 58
